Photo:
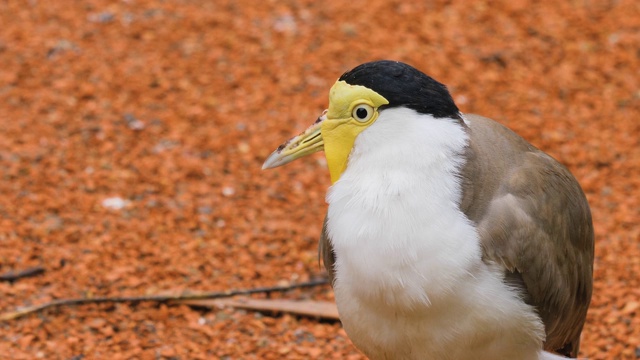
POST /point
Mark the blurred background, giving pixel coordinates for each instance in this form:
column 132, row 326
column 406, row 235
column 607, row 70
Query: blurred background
column 132, row 134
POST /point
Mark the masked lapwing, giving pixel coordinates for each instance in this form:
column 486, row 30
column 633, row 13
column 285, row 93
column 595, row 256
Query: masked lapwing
column 447, row 235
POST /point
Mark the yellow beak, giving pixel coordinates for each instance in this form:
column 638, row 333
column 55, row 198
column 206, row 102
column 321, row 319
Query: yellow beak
column 308, row 142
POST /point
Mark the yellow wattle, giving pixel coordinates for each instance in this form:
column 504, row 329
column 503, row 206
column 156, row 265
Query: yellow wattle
column 339, row 137
column 340, row 129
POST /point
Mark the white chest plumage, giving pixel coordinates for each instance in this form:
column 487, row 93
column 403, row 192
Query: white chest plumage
column 410, row 282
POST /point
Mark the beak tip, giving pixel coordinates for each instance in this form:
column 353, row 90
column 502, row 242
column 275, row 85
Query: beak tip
column 272, row 161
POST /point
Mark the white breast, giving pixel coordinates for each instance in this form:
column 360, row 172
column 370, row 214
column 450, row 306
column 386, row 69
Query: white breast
column 410, row 282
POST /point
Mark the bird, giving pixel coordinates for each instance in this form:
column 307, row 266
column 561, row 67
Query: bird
column 447, row 235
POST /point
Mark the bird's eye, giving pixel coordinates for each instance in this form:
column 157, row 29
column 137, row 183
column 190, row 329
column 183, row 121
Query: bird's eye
column 362, row 112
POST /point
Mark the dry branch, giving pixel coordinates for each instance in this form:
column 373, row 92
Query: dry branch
column 311, row 308
column 158, row 298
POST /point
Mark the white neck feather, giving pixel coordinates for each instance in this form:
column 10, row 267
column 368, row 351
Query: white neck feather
column 393, row 214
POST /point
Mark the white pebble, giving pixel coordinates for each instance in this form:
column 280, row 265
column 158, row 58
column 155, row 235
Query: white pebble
column 114, row 203
column 228, row 191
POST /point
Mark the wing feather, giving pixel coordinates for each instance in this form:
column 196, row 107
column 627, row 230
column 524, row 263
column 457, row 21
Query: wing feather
column 534, row 220
column 325, row 251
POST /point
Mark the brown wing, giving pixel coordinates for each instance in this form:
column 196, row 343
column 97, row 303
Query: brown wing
column 534, row 219
column 325, row 251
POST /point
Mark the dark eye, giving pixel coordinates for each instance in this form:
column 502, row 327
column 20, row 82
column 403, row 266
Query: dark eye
column 362, row 112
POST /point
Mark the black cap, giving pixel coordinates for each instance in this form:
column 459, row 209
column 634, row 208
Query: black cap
column 404, row 86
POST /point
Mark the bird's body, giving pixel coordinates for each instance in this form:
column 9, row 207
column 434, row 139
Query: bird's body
column 410, row 259
column 449, row 236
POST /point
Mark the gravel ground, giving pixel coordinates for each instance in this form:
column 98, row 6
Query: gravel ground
column 132, row 134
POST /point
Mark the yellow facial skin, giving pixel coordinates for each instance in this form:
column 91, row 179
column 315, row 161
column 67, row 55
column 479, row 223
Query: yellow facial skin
column 335, row 131
column 341, row 128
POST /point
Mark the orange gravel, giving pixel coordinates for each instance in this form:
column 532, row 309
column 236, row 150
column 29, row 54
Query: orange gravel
column 132, row 134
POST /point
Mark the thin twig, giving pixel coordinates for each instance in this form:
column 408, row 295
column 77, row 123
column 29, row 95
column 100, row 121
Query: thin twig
column 158, row 298
column 12, row 276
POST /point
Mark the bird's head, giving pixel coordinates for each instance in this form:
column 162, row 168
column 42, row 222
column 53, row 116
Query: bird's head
column 356, row 101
